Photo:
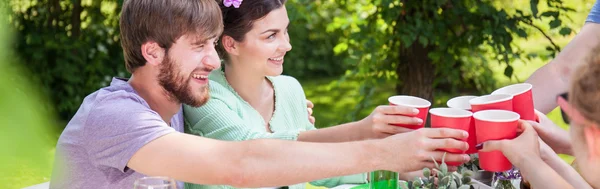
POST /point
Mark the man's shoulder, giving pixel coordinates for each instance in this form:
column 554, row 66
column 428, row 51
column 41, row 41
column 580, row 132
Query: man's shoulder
column 115, row 104
column 112, row 105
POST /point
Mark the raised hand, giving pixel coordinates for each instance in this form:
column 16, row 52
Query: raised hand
column 310, row 106
column 378, row 123
column 557, row 138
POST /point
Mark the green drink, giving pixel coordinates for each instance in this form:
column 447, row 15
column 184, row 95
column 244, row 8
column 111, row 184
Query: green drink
column 383, row 180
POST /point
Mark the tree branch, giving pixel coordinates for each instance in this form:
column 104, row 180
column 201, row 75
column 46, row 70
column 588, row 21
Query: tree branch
column 530, row 23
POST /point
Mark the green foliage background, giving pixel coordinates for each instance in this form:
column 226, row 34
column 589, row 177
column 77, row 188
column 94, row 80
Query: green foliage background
column 27, row 131
column 345, row 52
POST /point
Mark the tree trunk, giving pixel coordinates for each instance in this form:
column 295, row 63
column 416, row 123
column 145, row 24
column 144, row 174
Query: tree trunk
column 76, row 19
column 416, row 72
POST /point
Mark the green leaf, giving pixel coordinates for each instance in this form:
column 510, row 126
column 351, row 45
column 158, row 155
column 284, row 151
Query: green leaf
column 565, row 31
column 423, row 40
column 436, row 163
column 522, row 33
column 439, row 173
column 452, row 185
column 341, row 47
column 416, row 183
column 444, row 158
column 445, row 181
column 555, row 23
column 534, row 7
column 406, row 40
column 508, row 71
column 550, row 14
column 444, row 168
column 520, row 12
column 467, row 173
column 466, row 180
column 457, row 181
column 464, row 187
column 426, row 172
column 532, row 55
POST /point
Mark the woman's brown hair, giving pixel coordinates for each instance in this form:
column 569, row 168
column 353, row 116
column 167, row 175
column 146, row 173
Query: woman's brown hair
column 238, row 21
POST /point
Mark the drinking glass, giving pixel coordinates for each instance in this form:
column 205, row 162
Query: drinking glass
column 155, row 183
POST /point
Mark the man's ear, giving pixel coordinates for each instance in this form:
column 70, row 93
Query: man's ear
column 153, row 53
column 592, row 138
column 230, row 45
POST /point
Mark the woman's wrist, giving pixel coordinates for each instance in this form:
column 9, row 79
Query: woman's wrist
column 364, row 129
column 528, row 159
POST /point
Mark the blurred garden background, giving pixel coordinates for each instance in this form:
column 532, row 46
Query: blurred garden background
column 350, row 55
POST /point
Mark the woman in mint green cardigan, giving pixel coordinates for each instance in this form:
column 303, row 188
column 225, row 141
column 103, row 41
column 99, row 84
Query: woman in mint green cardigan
column 250, row 99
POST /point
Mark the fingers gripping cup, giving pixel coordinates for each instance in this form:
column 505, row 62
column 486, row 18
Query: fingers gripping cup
column 495, row 125
column 522, row 99
column 410, row 101
column 462, row 102
column 451, row 118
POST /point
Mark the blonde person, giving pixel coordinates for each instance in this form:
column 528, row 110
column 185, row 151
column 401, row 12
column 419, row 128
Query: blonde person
column 552, row 79
column 250, row 99
column 537, row 161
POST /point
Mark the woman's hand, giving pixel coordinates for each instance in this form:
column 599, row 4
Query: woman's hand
column 310, row 106
column 378, row 124
column 412, row 151
column 517, row 150
column 557, row 138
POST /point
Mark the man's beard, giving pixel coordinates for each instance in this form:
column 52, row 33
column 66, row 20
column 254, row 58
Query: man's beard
column 178, row 88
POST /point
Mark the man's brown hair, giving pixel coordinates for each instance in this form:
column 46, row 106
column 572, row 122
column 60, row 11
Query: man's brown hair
column 165, row 21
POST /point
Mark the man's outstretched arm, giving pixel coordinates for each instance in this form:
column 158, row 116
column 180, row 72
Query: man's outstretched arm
column 552, row 79
column 260, row 163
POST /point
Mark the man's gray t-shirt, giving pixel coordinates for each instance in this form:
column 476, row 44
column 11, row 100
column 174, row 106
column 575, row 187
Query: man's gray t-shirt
column 109, row 127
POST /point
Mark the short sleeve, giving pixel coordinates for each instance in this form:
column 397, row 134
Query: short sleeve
column 296, row 92
column 594, row 15
column 117, row 127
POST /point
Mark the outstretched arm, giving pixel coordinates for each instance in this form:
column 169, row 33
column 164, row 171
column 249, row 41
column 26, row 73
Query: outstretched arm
column 524, row 153
column 260, row 163
column 552, row 79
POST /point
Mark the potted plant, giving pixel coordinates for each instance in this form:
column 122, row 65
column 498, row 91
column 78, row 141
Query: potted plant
column 502, row 180
column 441, row 178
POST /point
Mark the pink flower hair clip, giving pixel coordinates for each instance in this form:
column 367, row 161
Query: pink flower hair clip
column 235, row 3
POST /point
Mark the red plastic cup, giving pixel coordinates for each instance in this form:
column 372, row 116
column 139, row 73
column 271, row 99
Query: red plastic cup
column 495, row 125
column 410, row 101
column 451, row 118
column 462, row 102
column 492, row 102
column 522, row 99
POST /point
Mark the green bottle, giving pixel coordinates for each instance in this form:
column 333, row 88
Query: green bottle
column 383, row 180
